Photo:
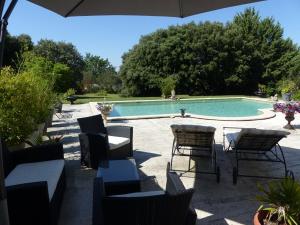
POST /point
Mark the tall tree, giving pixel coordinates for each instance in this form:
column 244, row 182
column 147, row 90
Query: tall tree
column 99, row 71
column 15, row 46
column 63, row 53
column 258, row 51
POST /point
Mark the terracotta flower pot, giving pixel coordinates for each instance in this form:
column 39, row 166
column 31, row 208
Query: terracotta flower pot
column 259, row 218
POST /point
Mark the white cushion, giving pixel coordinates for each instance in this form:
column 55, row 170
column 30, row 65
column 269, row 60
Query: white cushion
column 116, row 142
column 252, row 131
column 49, row 171
column 232, row 135
column 141, row 194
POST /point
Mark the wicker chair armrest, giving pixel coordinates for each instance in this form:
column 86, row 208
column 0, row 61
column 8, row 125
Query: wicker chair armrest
column 191, row 217
column 121, row 131
column 28, row 203
column 39, row 153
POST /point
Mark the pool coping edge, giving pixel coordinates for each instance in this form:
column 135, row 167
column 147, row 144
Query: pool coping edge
column 266, row 113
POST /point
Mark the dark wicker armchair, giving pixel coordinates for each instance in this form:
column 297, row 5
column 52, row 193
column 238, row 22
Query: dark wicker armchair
column 32, row 199
column 145, row 208
column 117, row 141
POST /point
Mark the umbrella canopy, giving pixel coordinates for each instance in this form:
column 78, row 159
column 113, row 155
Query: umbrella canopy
column 172, row 8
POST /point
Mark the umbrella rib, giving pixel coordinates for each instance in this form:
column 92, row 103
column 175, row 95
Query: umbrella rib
column 74, row 8
column 180, row 8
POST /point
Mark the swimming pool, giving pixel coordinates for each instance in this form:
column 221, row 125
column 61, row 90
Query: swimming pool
column 209, row 107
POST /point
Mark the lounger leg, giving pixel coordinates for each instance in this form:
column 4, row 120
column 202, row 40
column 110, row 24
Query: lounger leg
column 235, row 170
column 214, row 156
column 190, row 161
column 172, row 155
column 224, row 148
column 283, row 160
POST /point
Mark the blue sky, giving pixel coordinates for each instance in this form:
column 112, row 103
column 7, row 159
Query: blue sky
column 111, row 36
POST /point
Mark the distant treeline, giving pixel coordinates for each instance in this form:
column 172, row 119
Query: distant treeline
column 210, row 58
column 61, row 63
column 240, row 57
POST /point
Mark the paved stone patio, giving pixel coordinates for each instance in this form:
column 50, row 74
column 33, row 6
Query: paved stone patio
column 215, row 204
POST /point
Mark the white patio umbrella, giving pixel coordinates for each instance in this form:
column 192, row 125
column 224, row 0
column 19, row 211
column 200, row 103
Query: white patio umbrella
column 66, row 8
column 173, row 8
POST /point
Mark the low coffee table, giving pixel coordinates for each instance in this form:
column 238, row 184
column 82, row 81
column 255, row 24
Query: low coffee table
column 119, row 176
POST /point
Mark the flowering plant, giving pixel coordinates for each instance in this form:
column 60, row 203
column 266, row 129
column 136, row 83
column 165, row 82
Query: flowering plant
column 287, row 108
column 104, row 108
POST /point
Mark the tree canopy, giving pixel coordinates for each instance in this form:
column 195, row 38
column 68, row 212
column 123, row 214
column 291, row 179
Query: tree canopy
column 212, row 58
column 100, row 75
column 60, row 63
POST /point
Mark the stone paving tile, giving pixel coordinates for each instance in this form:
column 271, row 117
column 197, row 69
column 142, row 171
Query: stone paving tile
column 215, row 204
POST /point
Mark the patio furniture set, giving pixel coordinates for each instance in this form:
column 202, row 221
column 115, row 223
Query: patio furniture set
column 117, row 185
column 35, row 177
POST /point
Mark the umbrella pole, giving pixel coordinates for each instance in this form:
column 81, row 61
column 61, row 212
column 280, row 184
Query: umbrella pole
column 4, row 219
column 4, row 23
column 3, row 203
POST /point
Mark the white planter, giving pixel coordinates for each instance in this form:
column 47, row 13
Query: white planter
column 41, row 128
column 104, row 116
column 287, row 97
column 32, row 138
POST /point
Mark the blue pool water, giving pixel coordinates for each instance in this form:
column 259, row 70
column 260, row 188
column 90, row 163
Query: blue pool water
column 212, row 107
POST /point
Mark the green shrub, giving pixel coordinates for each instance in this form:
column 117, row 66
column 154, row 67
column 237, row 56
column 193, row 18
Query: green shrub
column 44, row 96
column 167, row 85
column 25, row 100
column 17, row 120
column 287, row 86
column 69, row 92
column 102, row 93
column 296, row 95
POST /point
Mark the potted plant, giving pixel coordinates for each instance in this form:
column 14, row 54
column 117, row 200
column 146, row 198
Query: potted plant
column 287, row 87
column 289, row 109
column 281, row 203
column 105, row 110
column 168, row 86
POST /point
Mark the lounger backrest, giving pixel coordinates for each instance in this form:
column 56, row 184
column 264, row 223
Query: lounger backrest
column 258, row 139
column 92, row 124
column 193, row 135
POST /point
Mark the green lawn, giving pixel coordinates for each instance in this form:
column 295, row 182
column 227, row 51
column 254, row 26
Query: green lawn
column 115, row 97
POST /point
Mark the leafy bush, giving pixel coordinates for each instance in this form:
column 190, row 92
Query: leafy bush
column 16, row 96
column 69, row 92
column 296, row 95
column 167, row 85
column 287, row 86
column 102, row 93
column 25, row 100
column 44, row 96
